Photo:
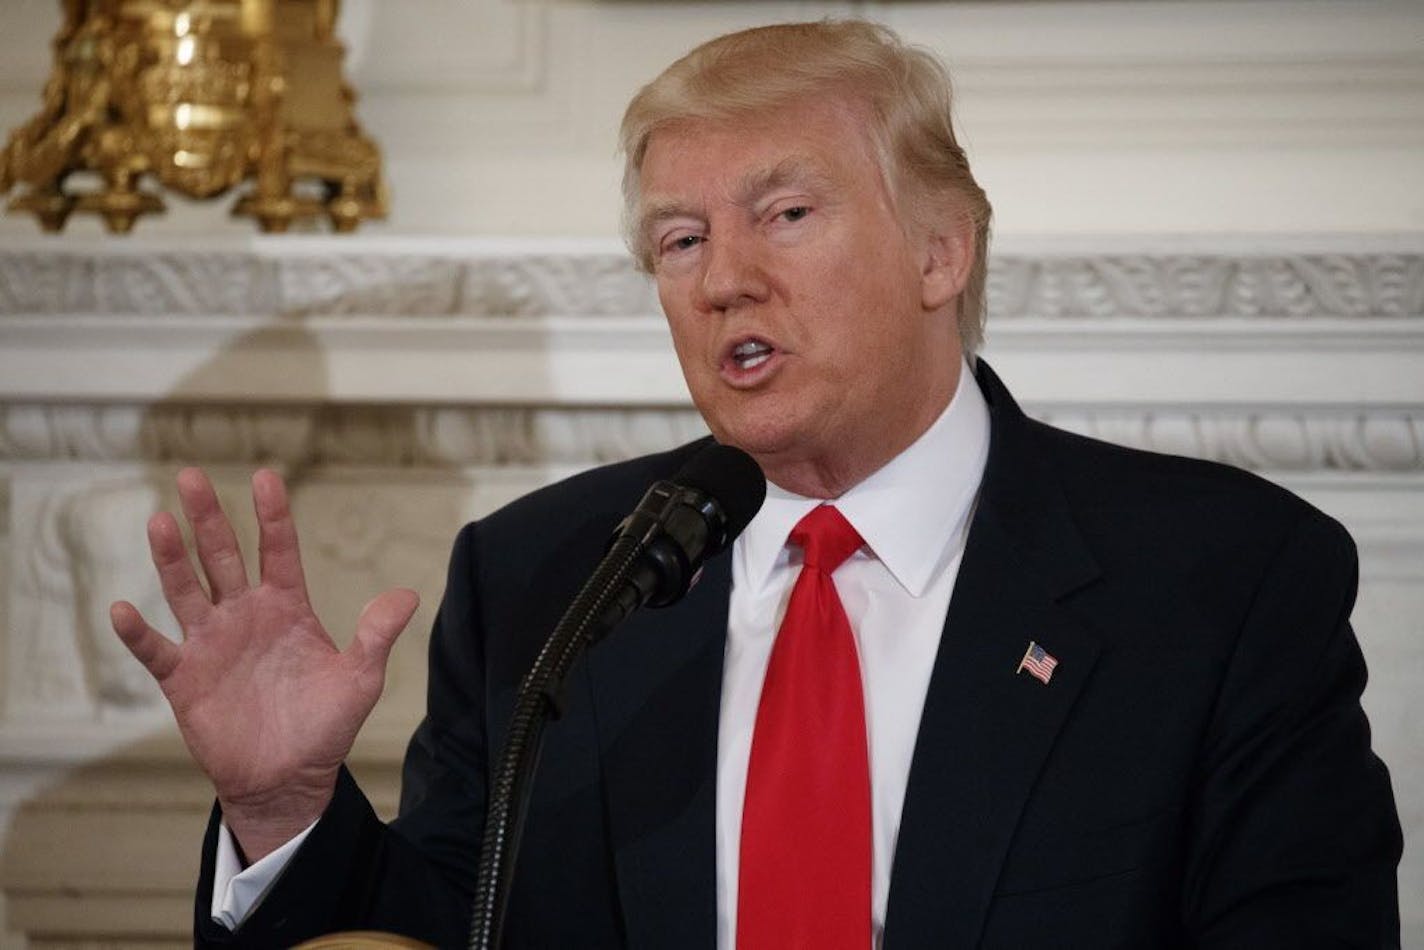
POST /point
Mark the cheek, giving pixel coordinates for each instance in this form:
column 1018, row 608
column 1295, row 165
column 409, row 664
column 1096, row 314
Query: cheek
column 870, row 347
column 857, row 267
column 691, row 346
column 682, row 322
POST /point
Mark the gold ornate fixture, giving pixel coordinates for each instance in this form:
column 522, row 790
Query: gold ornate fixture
column 204, row 96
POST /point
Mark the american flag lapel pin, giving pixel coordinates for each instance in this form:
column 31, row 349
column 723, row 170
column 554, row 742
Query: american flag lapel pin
column 1038, row 661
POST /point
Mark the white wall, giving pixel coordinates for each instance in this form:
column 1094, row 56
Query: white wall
column 1160, row 116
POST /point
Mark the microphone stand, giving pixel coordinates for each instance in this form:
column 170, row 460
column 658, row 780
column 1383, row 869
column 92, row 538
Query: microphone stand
column 625, row 579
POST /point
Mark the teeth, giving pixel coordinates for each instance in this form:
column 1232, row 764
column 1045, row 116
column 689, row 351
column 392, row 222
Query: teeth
column 750, row 354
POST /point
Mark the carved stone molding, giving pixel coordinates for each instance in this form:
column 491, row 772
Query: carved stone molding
column 485, row 280
column 387, row 436
column 201, row 282
column 435, row 437
column 1264, row 441
column 1207, row 286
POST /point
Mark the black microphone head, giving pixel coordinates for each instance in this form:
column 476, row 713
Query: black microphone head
column 732, row 478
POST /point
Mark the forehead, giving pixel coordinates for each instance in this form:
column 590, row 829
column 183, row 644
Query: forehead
column 797, row 141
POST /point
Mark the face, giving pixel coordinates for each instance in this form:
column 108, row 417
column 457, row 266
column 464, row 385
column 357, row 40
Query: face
column 815, row 330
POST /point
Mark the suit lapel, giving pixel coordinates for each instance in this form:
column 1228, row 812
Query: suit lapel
column 986, row 730
column 656, row 683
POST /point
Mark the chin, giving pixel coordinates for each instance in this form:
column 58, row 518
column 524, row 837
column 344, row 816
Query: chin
column 762, row 438
column 766, row 423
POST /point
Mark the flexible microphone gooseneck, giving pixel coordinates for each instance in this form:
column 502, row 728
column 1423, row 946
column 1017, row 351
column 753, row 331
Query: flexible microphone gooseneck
column 653, row 560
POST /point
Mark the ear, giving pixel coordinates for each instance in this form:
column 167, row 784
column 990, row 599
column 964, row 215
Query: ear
column 948, row 256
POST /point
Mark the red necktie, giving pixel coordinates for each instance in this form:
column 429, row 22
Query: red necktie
column 805, row 858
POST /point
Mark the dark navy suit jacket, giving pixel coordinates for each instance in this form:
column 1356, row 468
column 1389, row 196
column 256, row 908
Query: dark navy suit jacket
column 1197, row 773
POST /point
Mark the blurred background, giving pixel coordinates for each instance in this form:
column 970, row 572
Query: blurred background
column 1209, row 240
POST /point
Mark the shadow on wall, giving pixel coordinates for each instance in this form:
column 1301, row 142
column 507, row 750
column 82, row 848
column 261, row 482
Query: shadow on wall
column 107, row 853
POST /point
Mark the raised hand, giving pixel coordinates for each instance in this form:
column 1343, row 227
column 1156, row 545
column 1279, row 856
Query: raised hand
column 266, row 702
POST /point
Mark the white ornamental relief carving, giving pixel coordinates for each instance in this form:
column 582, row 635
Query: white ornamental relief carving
column 573, row 436
column 386, row 435
column 157, row 433
column 202, row 282
column 577, row 437
column 568, row 285
column 41, row 283
column 78, row 544
column 495, row 436
column 219, row 434
column 374, row 284
column 1385, row 285
column 365, row 533
column 435, row 437
column 65, row 432
column 206, row 282
column 341, row 435
column 605, row 283
column 103, row 529
column 1383, row 442
column 43, row 672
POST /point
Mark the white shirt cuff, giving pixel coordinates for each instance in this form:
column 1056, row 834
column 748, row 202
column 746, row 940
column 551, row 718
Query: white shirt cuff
column 237, row 891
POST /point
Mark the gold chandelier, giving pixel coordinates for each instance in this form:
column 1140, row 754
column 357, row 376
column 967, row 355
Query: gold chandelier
column 203, row 96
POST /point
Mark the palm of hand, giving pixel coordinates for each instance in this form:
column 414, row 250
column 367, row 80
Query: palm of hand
column 261, row 693
column 266, row 702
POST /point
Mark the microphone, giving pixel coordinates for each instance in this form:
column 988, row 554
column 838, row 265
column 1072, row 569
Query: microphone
column 680, row 523
column 652, row 560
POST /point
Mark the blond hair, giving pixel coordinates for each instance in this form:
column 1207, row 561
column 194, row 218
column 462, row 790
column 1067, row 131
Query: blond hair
column 905, row 90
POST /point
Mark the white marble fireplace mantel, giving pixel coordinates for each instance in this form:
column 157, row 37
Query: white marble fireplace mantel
column 405, row 385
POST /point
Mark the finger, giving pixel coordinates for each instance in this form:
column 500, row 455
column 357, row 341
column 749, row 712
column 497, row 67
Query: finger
column 157, row 653
column 218, row 551
column 281, row 561
column 381, row 621
column 180, row 585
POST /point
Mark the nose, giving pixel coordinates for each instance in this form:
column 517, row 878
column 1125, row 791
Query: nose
column 731, row 274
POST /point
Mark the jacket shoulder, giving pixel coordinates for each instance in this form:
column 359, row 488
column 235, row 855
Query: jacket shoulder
column 1178, row 499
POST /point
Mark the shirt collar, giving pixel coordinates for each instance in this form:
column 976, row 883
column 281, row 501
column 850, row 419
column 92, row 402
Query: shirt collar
column 912, row 512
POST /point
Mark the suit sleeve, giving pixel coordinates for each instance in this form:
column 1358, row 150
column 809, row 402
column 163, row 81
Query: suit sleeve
column 416, row 876
column 1295, row 838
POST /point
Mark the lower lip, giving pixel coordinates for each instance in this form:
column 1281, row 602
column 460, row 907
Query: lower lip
column 751, row 377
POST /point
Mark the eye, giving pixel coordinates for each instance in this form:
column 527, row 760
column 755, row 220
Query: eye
column 678, row 243
column 795, row 214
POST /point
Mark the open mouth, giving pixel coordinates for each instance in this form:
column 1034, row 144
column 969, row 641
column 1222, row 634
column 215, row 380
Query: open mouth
column 749, row 354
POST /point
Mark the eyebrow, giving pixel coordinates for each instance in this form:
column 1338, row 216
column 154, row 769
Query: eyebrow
column 794, row 170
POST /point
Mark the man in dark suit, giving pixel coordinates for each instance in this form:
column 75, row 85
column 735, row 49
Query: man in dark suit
column 1095, row 697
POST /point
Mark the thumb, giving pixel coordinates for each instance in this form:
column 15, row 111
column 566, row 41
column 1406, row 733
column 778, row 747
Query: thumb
column 381, row 621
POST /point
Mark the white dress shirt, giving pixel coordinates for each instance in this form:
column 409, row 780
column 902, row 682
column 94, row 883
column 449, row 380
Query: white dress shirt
column 914, row 517
column 237, row 890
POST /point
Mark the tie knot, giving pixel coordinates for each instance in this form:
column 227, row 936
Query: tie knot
column 826, row 538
